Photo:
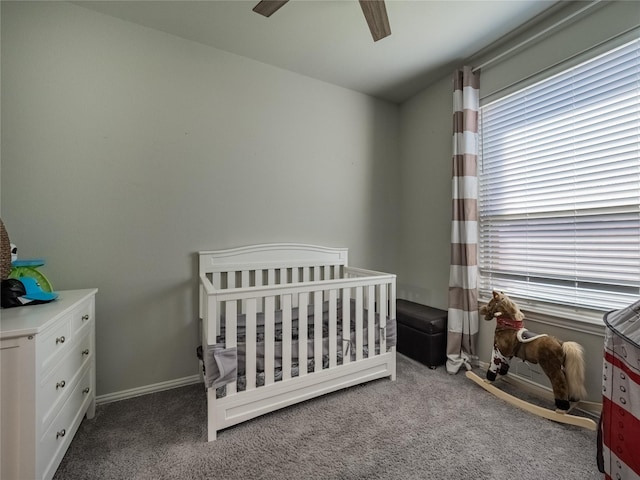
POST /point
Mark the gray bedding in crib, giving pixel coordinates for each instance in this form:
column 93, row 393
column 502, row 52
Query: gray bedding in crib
column 224, row 365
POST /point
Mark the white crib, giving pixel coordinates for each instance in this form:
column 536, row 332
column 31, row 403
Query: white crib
column 258, row 304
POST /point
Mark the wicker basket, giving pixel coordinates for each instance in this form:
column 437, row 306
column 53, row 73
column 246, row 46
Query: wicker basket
column 5, row 253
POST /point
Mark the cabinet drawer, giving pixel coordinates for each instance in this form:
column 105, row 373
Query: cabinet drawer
column 54, row 343
column 82, row 316
column 55, row 388
column 57, row 437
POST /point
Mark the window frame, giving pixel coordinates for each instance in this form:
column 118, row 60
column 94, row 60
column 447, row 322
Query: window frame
column 547, row 310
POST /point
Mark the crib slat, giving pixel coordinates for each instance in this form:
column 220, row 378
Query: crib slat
column 371, row 320
column 392, row 304
column 271, row 276
column 231, row 279
column 231, row 339
column 303, row 301
column 333, row 329
column 382, row 314
column 359, row 322
column 346, row 325
column 201, row 302
column 250, row 342
column 213, row 314
column 286, row 337
column 317, row 330
column 295, row 278
column 316, row 274
column 269, row 340
column 244, row 283
column 260, row 278
column 305, row 274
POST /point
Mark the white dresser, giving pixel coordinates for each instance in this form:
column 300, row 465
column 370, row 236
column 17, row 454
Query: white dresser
column 48, row 381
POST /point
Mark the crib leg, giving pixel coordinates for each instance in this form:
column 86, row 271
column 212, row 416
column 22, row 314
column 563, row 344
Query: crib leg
column 393, row 365
column 211, row 426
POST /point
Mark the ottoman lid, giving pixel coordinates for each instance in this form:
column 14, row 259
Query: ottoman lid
column 421, row 317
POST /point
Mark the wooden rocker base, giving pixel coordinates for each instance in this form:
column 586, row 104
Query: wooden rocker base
column 535, row 409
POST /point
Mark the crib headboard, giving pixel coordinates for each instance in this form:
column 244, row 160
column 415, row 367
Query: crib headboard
column 273, row 255
column 271, row 264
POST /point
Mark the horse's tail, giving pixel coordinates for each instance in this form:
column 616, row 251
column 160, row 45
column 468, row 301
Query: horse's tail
column 574, row 370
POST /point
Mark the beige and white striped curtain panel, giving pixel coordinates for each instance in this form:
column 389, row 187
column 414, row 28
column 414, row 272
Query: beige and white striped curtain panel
column 462, row 332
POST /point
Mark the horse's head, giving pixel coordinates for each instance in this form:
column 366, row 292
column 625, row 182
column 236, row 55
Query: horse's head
column 501, row 305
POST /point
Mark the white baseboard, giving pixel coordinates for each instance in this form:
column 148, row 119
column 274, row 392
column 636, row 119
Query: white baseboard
column 156, row 387
column 542, row 391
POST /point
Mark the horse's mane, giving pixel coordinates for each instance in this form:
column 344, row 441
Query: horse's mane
column 501, row 305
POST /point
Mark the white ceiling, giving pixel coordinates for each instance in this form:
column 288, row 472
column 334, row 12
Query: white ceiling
column 329, row 39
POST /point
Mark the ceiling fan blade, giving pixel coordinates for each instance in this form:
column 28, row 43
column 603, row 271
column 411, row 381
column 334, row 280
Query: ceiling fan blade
column 268, row 7
column 376, row 14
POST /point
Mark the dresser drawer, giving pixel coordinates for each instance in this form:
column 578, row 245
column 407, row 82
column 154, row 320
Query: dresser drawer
column 54, row 343
column 82, row 316
column 55, row 388
column 57, row 437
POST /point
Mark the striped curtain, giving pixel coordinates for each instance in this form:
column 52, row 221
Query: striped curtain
column 462, row 332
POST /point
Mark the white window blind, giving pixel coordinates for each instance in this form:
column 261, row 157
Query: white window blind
column 559, row 197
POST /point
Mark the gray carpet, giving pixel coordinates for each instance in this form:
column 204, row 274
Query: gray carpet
column 426, row 425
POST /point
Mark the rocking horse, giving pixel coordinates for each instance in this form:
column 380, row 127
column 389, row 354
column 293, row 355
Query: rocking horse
column 562, row 362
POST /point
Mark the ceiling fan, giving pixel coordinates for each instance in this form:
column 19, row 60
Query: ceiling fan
column 374, row 11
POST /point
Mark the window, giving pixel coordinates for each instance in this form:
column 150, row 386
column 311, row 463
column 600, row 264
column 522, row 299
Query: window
column 559, row 196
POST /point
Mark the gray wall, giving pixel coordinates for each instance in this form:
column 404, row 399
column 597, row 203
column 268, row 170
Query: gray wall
column 425, row 195
column 426, row 170
column 125, row 150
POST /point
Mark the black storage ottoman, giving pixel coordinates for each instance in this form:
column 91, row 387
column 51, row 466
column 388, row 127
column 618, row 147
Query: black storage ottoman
column 422, row 332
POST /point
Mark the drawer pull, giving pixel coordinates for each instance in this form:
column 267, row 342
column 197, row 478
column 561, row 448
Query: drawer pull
column 85, row 351
column 60, row 340
column 60, row 384
column 61, row 433
column 86, row 390
column 85, row 317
